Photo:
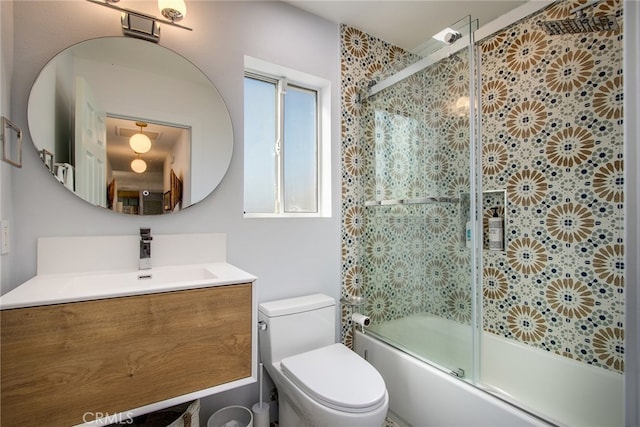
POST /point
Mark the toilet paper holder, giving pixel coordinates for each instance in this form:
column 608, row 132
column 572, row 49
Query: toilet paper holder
column 361, row 320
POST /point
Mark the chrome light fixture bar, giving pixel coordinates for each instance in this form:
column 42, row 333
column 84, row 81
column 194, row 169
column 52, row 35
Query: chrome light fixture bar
column 138, row 24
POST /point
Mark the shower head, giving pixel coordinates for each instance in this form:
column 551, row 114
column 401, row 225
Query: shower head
column 451, row 37
column 581, row 23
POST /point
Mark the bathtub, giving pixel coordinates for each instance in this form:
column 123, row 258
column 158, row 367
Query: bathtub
column 519, row 385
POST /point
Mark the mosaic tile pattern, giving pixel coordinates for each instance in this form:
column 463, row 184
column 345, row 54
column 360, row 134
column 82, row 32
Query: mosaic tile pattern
column 365, row 59
column 552, row 139
column 552, row 125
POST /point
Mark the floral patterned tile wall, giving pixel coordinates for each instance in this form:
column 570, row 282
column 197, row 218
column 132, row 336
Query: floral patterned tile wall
column 552, row 135
column 551, row 138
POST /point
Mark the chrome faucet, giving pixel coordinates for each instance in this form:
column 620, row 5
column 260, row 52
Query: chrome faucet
column 145, row 249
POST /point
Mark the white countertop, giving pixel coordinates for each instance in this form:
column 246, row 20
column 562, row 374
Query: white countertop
column 47, row 289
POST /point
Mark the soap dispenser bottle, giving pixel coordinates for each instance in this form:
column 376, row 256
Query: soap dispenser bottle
column 496, row 231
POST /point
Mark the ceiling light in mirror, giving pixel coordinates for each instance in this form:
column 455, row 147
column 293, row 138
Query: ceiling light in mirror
column 139, row 142
column 138, row 165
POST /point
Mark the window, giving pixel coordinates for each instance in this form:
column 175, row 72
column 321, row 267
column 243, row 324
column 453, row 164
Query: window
column 285, row 133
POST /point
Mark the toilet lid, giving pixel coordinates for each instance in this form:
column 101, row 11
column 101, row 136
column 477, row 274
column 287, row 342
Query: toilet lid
column 336, row 377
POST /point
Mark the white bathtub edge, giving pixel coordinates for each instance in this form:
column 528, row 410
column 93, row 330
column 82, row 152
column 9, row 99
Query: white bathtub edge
column 422, row 395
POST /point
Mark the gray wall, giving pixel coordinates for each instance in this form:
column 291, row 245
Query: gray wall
column 289, row 256
column 275, row 250
column 6, row 70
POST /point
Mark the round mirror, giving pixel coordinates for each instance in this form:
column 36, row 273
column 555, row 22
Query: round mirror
column 130, row 126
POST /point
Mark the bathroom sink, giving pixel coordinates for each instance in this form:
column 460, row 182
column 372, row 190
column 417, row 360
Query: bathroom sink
column 151, row 277
column 49, row 289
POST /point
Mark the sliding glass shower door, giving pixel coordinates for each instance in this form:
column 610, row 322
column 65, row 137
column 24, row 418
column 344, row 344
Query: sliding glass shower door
column 418, row 235
column 531, row 311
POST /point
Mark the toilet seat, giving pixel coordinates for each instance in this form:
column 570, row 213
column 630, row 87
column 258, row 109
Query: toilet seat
column 336, row 377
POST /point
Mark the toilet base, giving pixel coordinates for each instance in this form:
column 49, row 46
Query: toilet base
column 287, row 416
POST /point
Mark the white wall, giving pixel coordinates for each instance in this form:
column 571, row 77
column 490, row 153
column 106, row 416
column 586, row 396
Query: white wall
column 6, row 68
column 289, row 256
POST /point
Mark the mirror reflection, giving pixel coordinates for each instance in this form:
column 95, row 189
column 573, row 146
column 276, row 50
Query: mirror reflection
column 130, row 126
column 143, row 157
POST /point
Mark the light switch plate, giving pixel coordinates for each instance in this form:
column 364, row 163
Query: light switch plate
column 4, row 236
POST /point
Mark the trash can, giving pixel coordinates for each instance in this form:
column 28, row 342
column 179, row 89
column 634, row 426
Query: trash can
column 183, row 415
column 231, row 416
column 190, row 417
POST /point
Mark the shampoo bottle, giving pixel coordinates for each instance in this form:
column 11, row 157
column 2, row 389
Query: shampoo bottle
column 496, row 231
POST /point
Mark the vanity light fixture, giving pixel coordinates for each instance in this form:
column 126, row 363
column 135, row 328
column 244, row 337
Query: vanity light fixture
column 146, row 27
column 138, row 165
column 139, row 142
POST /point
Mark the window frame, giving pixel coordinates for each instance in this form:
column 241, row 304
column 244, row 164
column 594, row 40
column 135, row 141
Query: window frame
column 284, row 77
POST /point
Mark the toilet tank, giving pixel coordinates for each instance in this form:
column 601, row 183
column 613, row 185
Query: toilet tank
column 296, row 325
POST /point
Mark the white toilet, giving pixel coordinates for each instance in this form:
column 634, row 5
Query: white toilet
column 319, row 382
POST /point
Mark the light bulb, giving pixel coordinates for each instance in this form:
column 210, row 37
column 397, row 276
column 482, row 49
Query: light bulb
column 463, row 104
column 138, row 165
column 140, row 143
column 173, row 10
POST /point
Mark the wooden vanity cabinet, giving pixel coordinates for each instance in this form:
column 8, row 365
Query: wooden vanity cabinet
column 61, row 364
